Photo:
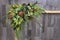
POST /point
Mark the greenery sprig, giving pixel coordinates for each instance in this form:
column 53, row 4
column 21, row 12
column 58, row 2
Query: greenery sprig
column 21, row 13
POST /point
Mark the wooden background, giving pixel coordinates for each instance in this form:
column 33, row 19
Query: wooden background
column 32, row 30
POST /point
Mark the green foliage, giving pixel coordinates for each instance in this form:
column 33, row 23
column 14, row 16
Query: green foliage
column 20, row 13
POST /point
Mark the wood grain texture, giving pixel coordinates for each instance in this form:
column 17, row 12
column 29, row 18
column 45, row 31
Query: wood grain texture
column 50, row 19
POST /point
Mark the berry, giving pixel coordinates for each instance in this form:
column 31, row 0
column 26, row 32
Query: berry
column 20, row 13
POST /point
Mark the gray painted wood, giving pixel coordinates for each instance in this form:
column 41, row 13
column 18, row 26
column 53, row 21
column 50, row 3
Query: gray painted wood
column 57, row 28
column 4, row 33
column 51, row 31
column 50, row 22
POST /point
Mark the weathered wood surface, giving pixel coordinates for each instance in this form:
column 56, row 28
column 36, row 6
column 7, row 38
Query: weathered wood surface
column 50, row 22
column 51, row 30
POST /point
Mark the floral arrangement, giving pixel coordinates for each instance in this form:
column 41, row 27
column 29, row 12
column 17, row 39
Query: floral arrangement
column 21, row 13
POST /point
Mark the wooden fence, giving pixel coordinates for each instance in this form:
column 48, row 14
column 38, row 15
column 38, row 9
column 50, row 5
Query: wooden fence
column 50, row 22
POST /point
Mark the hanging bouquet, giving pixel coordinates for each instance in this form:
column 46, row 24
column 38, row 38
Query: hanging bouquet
column 21, row 13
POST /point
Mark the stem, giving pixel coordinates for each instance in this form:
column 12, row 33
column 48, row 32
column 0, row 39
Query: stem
column 16, row 35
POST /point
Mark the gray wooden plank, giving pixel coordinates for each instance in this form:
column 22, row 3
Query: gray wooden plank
column 50, row 32
column 33, row 29
column 48, row 21
column 4, row 33
column 10, row 33
column 57, row 28
column 3, row 15
column 0, row 20
column 1, row 31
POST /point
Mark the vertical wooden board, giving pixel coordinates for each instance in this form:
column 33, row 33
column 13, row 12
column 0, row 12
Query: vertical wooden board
column 23, row 33
column 25, row 30
column 10, row 33
column 1, row 31
column 3, row 21
column 4, row 33
column 44, row 24
column 57, row 28
column 45, row 27
column 51, row 20
column 38, row 30
column 29, row 30
column 41, row 27
column 50, row 32
column 4, row 15
column 52, row 28
column 48, row 27
column 33, row 29
column 0, row 20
